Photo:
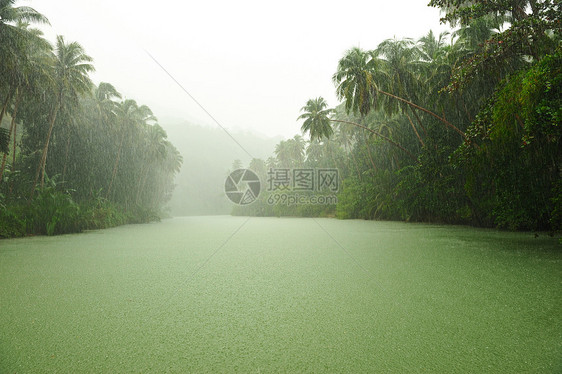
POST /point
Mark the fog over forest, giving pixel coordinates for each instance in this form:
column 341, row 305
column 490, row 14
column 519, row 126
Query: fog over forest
column 208, row 154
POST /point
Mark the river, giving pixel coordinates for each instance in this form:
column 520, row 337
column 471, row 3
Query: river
column 237, row 294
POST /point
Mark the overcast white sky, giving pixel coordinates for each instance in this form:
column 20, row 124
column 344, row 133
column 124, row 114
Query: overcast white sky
column 251, row 64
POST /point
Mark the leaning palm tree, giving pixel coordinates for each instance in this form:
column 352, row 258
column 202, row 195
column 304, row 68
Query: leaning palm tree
column 355, row 78
column 400, row 60
column 358, row 82
column 321, row 119
column 70, row 79
column 402, row 63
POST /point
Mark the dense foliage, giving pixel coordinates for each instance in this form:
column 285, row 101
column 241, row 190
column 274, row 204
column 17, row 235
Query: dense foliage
column 73, row 155
column 456, row 128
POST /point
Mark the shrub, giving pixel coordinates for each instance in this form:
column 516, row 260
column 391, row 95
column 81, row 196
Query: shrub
column 54, row 212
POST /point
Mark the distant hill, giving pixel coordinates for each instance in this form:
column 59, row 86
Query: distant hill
column 208, row 154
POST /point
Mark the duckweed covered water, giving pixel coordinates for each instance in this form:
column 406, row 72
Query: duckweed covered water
column 232, row 294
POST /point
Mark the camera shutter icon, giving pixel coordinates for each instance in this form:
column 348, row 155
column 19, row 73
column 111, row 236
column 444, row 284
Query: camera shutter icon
column 242, row 186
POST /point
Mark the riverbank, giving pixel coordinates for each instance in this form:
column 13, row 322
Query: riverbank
column 54, row 212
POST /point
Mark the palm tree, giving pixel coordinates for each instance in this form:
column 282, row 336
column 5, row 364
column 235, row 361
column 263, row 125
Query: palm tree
column 474, row 34
column 314, row 152
column 355, row 78
column 127, row 113
column 297, row 146
column 105, row 95
column 31, row 72
column 257, row 165
column 70, row 78
column 358, row 80
column 316, row 110
column 271, row 163
column 322, row 118
column 237, row 164
column 154, row 152
column 401, row 62
column 431, row 48
column 130, row 118
column 10, row 15
column 439, row 59
column 290, row 152
column 14, row 41
column 436, row 55
column 282, row 154
column 165, row 174
column 174, row 159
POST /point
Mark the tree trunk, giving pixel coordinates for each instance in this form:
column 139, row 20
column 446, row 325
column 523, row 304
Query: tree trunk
column 380, row 135
column 14, row 147
column 142, row 183
column 13, row 159
column 5, row 106
column 356, row 164
column 419, row 120
column 65, row 159
column 139, row 186
column 415, row 131
column 115, row 166
column 5, row 156
column 368, row 146
column 43, row 160
column 46, row 149
column 447, row 123
column 12, row 127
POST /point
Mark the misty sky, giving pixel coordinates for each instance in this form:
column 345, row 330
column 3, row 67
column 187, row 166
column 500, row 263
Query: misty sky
column 251, row 64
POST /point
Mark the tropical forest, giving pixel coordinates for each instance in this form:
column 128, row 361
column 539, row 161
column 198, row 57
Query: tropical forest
column 463, row 127
column 281, row 187
column 74, row 155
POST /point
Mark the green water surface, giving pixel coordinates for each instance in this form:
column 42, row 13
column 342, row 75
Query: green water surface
column 261, row 295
